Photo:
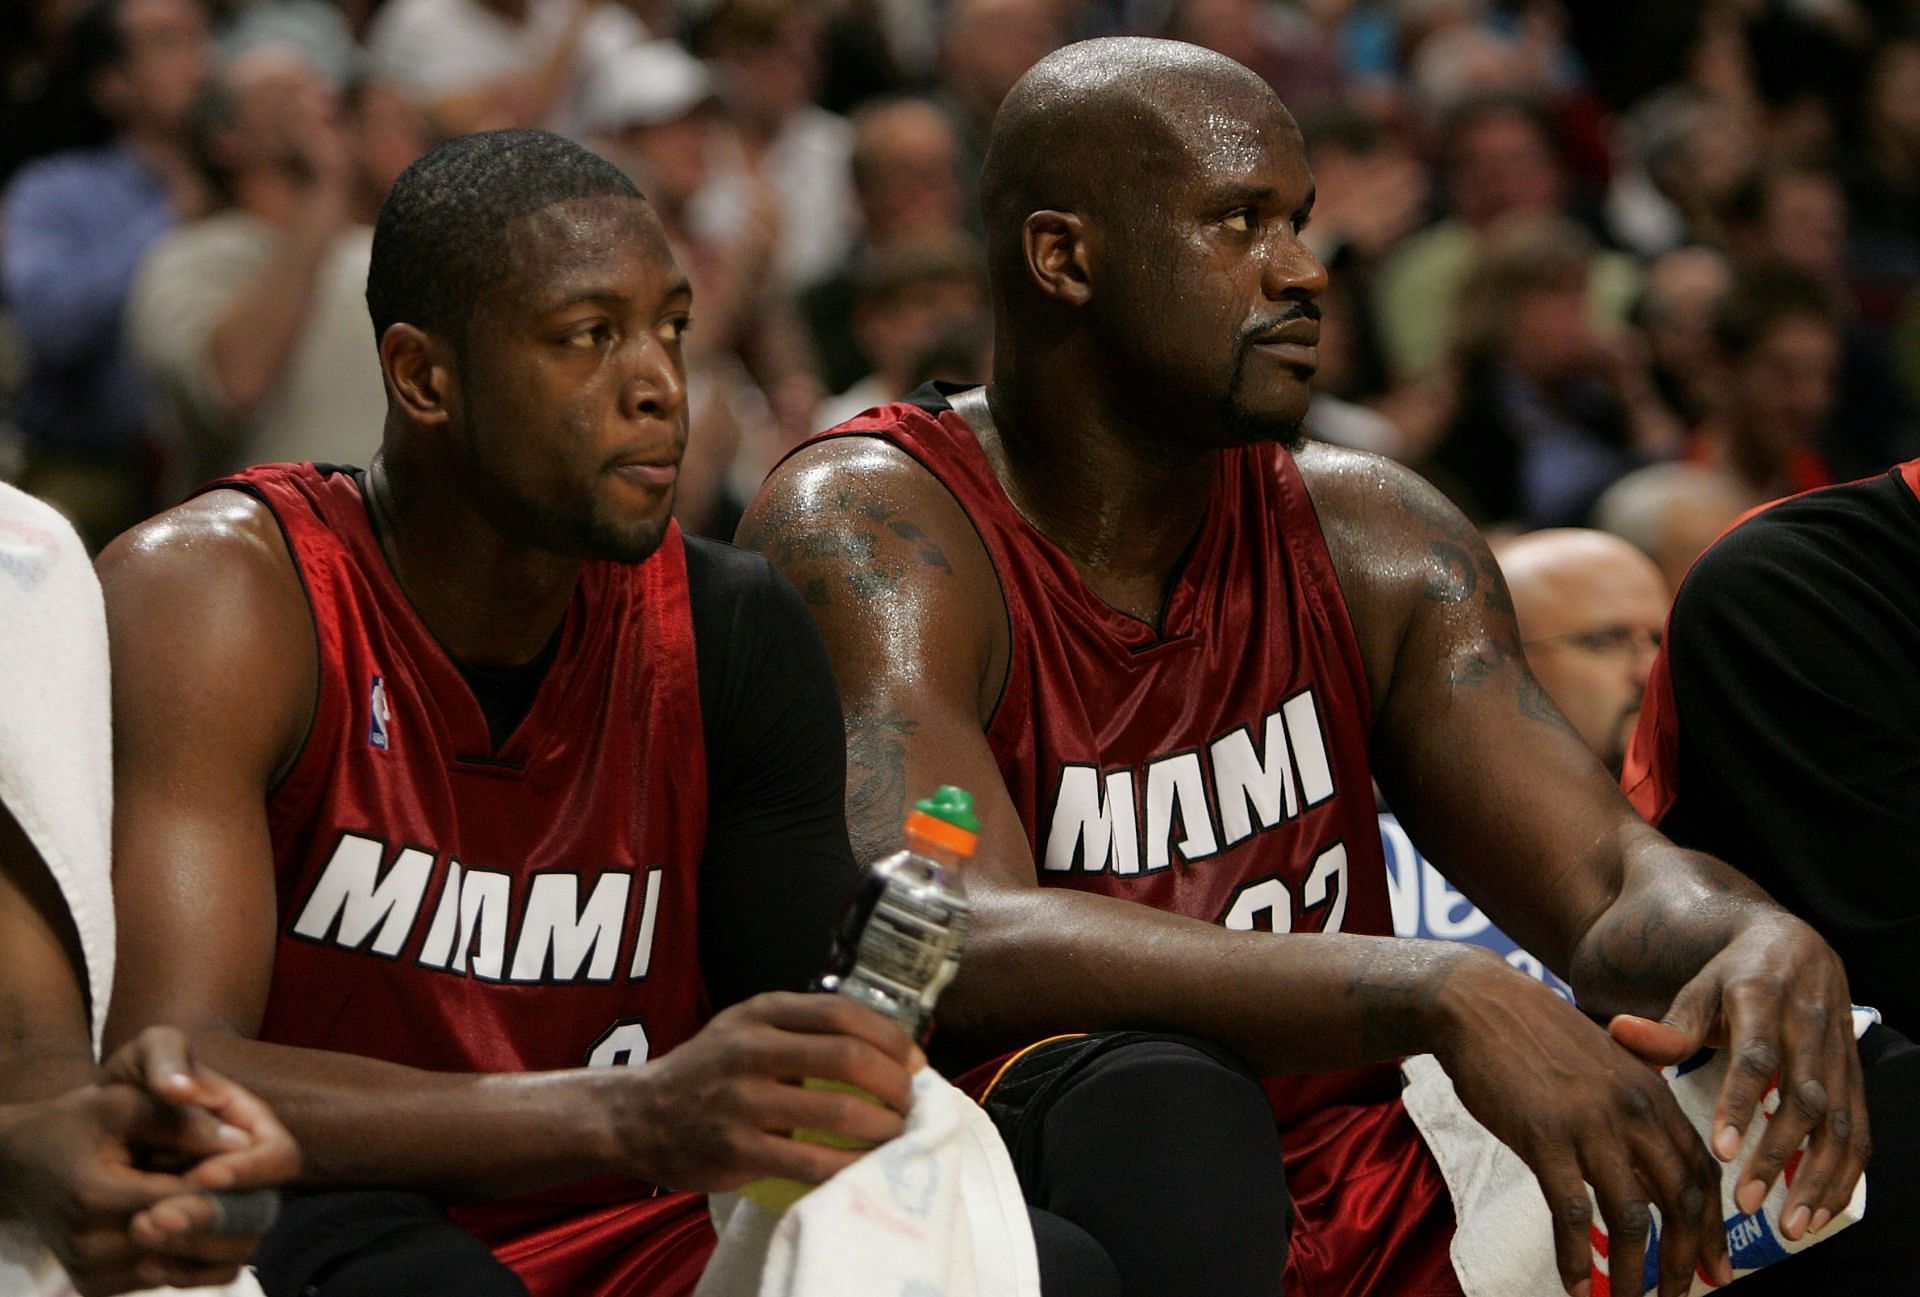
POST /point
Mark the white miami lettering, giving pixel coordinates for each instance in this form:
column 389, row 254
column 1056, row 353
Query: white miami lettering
column 1260, row 781
column 475, row 928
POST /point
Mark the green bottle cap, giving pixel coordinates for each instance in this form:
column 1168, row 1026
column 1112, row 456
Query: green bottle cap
column 954, row 805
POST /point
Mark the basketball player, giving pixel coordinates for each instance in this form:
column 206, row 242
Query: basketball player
column 456, row 795
column 1115, row 593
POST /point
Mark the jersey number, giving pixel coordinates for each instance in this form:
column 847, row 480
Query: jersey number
column 1267, row 906
column 624, row 1044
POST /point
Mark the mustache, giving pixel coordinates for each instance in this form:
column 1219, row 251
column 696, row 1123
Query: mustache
column 1296, row 311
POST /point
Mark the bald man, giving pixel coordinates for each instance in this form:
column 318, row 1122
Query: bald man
column 1170, row 647
column 1591, row 609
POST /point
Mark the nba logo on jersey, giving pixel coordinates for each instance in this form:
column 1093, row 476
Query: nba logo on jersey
column 381, row 715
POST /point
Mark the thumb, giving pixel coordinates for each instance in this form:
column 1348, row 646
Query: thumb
column 1659, row 1043
column 1677, row 1036
column 159, row 1061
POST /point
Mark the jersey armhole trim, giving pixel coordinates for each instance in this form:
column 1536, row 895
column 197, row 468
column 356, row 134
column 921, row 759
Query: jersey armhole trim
column 292, row 763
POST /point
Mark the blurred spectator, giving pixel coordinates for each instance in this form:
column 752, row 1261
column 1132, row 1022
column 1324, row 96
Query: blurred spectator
column 1671, row 513
column 1882, row 166
column 478, row 64
column 1797, row 216
column 906, row 181
column 910, row 296
column 1675, row 316
column 1500, row 160
column 76, row 226
column 1683, row 156
column 988, row 45
column 765, row 56
column 1777, row 340
column 317, row 28
column 1591, row 610
column 1551, row 411
column 253, row 321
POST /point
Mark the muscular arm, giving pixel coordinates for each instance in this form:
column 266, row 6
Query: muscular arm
column 1505, row 798
column 214, row 663
column 1485, row 772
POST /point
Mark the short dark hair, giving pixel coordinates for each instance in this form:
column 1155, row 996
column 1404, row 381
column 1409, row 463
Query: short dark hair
column 1761, row 300
column 442, row 233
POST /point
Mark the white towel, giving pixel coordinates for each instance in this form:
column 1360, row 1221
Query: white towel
column 934, row 1212
column 1503, row 1245
column 56, row 773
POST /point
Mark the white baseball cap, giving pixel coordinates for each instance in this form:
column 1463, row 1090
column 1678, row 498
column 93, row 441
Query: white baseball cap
column 645, row 85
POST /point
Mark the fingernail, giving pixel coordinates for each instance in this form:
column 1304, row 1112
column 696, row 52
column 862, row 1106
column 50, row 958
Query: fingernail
column 1725, row 1271
column 1751, row 1195
column 233, row 1136
column 1796, row 1221
column 1581, row 1289
column 1820, row 1219
column 1726, row 1143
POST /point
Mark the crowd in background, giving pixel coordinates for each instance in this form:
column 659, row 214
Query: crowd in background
column 1635, row 263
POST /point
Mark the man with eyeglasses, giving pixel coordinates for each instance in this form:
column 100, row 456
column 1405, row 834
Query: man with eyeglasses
column 1591, row 609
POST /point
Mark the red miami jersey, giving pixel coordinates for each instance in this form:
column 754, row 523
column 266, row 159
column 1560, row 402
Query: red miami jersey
column 1214, row 766
column 453, row 907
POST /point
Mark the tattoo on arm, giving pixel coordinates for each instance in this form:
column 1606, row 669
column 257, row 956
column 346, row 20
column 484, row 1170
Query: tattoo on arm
column 843, row 540
column 1460, row 551
column 1452, row 578
column 1393, row 999
column 877, row 779
column 1462, row 567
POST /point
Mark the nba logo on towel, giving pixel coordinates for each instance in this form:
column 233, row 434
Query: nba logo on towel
column 382, row 715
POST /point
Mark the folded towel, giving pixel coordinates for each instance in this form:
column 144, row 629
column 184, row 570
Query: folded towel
column 1503, row 1246
column 934, row 1212
column 56, row 772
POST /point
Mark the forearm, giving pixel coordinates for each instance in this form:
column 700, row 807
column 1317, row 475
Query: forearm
column 1675, row 911
column 363, row 1121
column 34, row 1069
column 1285, row 1003
column 252, row 342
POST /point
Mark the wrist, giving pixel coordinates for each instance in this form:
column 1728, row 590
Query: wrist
column 619, row 1099
column 1463, row 987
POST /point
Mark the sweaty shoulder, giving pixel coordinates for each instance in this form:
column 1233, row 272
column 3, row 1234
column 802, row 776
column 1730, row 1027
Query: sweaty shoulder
column 205, row 600
column 880, row 549
column 1402, row 550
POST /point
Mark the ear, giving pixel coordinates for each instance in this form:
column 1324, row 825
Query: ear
column 421, row 381
column 1059, row 258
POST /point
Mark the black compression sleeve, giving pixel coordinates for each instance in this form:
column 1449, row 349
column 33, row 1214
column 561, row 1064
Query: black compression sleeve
column 778, row 867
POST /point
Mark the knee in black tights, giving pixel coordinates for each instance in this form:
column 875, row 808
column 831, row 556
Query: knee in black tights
column 1166, row 1153
column 375, row 1244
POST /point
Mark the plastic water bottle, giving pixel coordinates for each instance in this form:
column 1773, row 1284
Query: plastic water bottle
column 898, row 944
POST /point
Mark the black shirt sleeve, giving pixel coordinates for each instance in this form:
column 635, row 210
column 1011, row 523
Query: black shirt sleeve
column 1795, row 652
column 778, row 868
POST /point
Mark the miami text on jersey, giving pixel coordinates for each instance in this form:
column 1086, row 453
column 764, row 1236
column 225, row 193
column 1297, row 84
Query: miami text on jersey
column 479, row 927
column 1259, row 781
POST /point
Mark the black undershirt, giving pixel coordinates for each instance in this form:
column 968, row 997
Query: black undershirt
column 777, row 867
column 1795, row 652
